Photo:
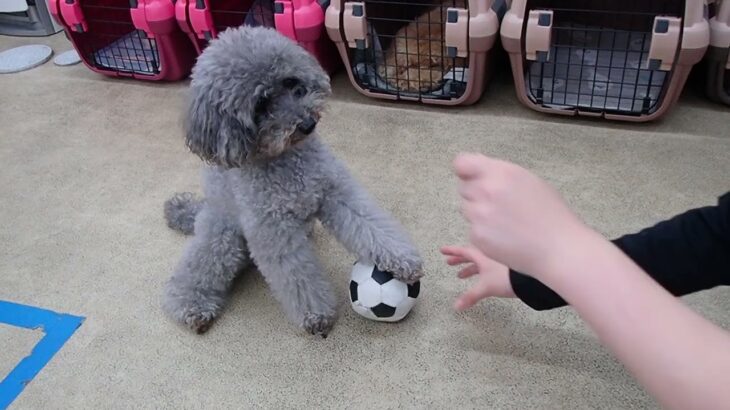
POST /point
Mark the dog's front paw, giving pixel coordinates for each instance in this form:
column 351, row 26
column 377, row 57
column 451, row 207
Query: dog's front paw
column 199, row 322
column 194, row 312
column 318, row 324
column 193, row 317
column 408, row 276
column 408, row 269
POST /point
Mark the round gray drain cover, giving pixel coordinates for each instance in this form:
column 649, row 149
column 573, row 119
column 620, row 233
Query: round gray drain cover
column 69, row 57
column 24, row 58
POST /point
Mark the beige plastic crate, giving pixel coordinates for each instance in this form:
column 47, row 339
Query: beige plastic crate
column 718, row 55
column 435, row 52
column 619, row 59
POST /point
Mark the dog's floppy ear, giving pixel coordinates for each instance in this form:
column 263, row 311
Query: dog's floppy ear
column 201, row 127
column 214, row 136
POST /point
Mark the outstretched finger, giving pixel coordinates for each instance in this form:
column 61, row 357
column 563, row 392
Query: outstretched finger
column 469, row 271
column 456, row 260
column 473, row 254
column 469, row 166
column 455, row 255
column 471, row 297
column 466, row 191
column 452, row 250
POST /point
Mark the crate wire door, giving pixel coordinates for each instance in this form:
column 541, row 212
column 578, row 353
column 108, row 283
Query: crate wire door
column 406, row 53
column 113, row 43
column 598, row 59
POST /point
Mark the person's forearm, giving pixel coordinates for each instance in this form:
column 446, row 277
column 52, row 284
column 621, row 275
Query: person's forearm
column 684, row 254
column 681, row 358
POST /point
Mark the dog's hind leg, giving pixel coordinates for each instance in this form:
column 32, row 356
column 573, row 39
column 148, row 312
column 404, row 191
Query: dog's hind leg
column 199, row 286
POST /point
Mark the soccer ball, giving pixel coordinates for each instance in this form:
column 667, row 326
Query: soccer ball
column 376, row 295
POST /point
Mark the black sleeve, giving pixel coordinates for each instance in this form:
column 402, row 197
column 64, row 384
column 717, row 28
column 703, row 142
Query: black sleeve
column 685, row 254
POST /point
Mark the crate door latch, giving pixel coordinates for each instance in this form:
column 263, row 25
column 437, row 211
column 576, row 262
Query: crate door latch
column 73, row 16
column 201, row 21
column 664, row 43
column 456, row 32
column 355, row 25
column 138, row 12
column 284, row 18
column 538, row 36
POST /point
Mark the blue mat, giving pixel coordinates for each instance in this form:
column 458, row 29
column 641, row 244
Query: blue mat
column 58, row 328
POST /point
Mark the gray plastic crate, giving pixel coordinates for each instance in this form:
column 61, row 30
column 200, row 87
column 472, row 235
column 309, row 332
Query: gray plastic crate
column 26, row 18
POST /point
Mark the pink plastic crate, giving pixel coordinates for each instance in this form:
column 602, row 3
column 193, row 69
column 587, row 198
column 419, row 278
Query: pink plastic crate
column 128, row 38
column 300, row 20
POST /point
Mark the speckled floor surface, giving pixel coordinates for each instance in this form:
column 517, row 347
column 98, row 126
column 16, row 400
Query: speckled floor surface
column 87, row 162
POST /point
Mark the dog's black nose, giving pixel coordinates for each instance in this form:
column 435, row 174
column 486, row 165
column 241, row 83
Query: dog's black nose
column 307, row 126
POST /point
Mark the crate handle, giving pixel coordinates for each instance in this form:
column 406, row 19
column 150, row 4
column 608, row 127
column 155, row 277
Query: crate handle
column 284, row 18
column 137, row 10
column 73, row 16
column 181, row 15
column 300, row 20
column 201, row 21
column 355, row 25
column 538, row 36
column 147, row 16
column 664, row 43
column 456, row 32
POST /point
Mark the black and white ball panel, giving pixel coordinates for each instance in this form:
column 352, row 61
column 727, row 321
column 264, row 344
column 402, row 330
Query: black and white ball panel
column 380, row 276
column 414, row 290
column 376, row 295
column 353, row 291
column 383, row 310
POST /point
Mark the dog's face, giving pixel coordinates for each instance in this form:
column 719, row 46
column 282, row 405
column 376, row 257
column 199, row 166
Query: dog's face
column 254, row 94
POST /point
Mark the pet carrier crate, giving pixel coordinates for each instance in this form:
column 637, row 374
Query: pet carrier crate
column 432, row 51
column 300, row 20
column 619, row 59
column 718, row 55
column 128, row 38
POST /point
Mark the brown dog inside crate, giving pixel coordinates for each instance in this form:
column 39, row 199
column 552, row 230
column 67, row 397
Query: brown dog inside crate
column 416, row 60
column 430, row 51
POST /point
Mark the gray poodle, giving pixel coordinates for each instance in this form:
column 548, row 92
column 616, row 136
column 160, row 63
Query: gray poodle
column 255, row 101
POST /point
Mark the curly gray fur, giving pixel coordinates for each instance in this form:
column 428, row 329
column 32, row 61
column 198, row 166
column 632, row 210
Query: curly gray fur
column 180, row 212
column 255, row 100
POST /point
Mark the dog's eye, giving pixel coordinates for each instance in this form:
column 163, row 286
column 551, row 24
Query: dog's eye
column 261, row 105
column 300, row 91
column 291, row 83
column 296, row 86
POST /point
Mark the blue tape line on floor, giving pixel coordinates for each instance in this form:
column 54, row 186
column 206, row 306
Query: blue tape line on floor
column 58, row 328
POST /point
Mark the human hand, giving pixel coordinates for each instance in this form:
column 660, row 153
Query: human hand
column 515, row 217
column 492, row 277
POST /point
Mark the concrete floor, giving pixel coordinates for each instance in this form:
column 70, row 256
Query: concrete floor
column 87, row 162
